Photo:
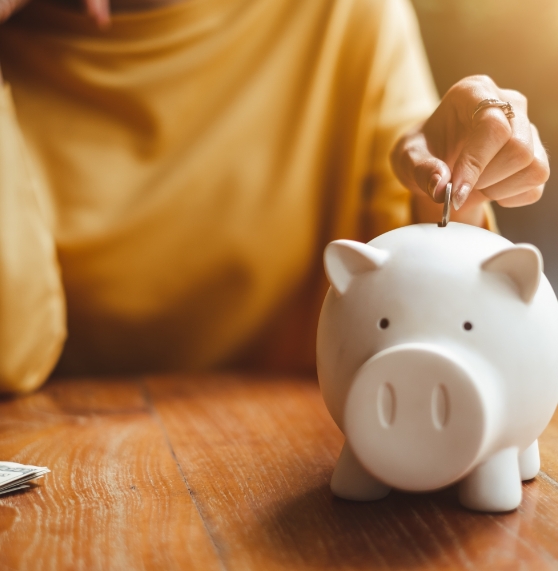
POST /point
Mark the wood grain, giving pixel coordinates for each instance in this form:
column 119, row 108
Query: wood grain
column 231, row 473
column 115, row 498
column 258, row 456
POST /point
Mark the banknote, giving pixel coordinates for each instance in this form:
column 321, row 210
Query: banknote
column 15, row 476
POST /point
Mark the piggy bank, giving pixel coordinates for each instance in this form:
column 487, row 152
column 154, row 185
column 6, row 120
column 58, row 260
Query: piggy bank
column 437, row 356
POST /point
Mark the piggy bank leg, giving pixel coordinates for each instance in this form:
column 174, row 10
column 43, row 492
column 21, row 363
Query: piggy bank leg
column 495, row 485
column 351, row 481
column 530, row 462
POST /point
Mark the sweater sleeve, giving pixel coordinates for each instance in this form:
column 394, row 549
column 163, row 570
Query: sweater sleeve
column 32, row 305
column 404, row 94
column 408, row 96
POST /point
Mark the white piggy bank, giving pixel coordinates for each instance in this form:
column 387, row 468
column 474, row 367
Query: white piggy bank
column 437, row 357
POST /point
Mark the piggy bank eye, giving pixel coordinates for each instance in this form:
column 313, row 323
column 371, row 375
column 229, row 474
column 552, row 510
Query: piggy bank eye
column 384, row 323
column 467, row 326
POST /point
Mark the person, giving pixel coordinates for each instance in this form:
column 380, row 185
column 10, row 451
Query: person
column 170, row 172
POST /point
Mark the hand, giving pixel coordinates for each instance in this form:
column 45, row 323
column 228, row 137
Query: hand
column 486, row 158
column 98, row 10
column 8, row 7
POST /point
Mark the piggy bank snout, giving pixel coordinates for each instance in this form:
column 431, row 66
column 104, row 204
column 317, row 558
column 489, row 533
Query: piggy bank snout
column 415, row 417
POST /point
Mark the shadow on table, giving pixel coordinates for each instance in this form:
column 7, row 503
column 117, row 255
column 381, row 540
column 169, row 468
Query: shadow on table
column 402, row 531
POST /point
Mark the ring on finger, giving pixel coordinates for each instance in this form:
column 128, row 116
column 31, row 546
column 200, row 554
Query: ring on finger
column 505, row 106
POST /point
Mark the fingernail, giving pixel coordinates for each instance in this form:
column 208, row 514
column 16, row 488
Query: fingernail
column 433, row 185
column 460, row 196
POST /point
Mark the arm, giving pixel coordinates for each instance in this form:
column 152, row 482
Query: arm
column 32, row 308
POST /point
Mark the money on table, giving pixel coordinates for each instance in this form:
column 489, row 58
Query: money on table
column 15, row 476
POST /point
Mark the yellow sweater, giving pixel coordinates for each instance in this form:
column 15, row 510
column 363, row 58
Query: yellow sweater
column 170, row 184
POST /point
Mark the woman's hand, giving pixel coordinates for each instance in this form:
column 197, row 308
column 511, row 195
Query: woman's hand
column 8, row 7
column 488, row 157
column 97, row 10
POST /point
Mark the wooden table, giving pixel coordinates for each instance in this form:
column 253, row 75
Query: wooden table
column 231, row 473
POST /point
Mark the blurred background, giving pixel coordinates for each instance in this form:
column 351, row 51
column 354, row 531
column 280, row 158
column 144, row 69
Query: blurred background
column 516, row 43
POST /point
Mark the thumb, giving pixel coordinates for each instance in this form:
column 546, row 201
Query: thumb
column 431, row 176
column 418, row 169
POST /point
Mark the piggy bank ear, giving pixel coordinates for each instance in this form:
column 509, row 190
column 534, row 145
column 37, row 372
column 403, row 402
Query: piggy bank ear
column 523, row 264
column 345, row 259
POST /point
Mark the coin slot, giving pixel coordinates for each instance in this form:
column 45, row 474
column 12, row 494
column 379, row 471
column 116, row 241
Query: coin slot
column 440, row 406
column 386, row 405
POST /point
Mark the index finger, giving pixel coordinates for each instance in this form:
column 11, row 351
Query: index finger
column 491, row 130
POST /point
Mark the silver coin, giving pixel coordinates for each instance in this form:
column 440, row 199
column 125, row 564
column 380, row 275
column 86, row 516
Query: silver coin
column 447, row 204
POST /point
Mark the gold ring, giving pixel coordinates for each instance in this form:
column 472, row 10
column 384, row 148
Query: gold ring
column 505, row 106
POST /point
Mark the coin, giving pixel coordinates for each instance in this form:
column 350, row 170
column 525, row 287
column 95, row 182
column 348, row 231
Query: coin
column 447, row 203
